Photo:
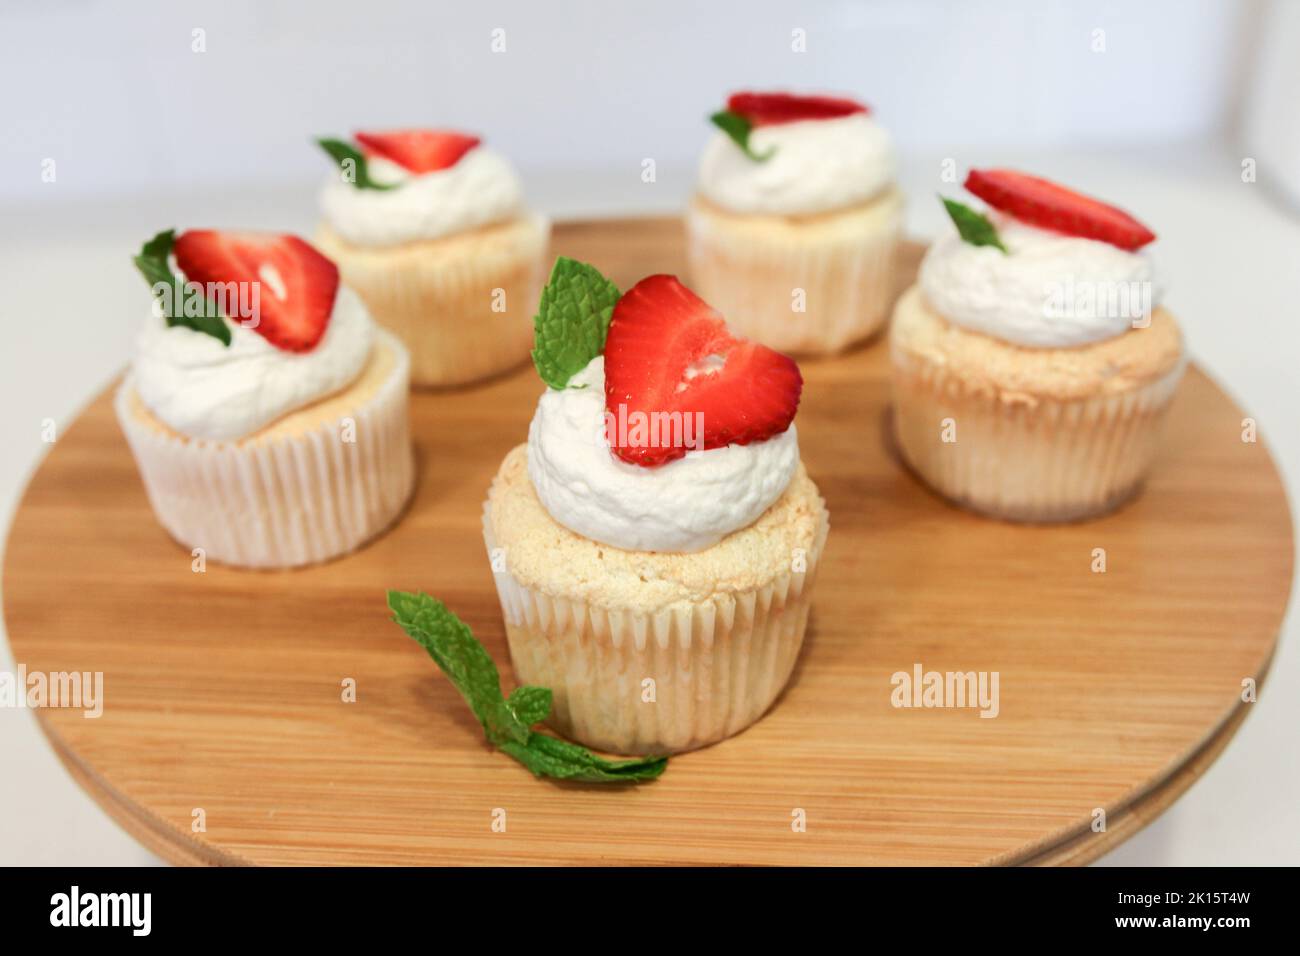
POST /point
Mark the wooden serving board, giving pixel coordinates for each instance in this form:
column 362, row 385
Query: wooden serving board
column 223, row 690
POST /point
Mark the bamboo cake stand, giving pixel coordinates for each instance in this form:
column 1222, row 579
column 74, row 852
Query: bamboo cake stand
column 223, row 689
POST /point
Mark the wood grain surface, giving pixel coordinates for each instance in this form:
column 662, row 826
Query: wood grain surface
column 223, row 690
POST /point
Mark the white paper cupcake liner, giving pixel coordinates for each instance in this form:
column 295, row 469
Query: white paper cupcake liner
column 438, row 296
column 716, row 665
column 1038, row 461
column 285, row 501
column 846, row 273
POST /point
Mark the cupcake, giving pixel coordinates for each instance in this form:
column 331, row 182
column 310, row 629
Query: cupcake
column 266, row 412
column 655, row 541
column 794, row 227
column 1032, row 362
column 431, row 229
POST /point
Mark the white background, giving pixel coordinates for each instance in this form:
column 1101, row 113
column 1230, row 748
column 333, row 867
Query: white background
column 146, row 133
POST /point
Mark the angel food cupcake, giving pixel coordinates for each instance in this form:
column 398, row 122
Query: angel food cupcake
column 431, row 229
column 794, row 227
column 266, row 412
column 1032, row 362
column 654, row 543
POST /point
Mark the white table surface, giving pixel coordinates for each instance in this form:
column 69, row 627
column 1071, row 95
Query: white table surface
column 1230, row 254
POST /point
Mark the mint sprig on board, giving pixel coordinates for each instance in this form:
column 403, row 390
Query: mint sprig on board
column 572, row 320
column 507, row 722
column 739, row 128
column 358, row 172
column 181, row 303
column 972, row 226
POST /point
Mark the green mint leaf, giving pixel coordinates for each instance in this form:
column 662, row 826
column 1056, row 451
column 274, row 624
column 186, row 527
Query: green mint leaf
column 462, row 658
column 553, row 757
column 531, row 705
column 572, row 320
column 597, row 768
column 352, row 164
column 506, row 723
column 738, row 128
column 181, row 304
column 152, row 260
column 972, row 226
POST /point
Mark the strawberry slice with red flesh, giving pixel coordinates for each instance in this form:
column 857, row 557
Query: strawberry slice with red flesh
column 669, row 351
column 297, row 283
column 1048, row 205
column 419, row 150
column 768, row 109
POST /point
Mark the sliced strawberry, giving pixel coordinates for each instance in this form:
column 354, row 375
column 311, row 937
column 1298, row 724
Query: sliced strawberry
column 767, row 109
column 297, row 284
column 1043, row 203
column 419, row 150
column 669, row 351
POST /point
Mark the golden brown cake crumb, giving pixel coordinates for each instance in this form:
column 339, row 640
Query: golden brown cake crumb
column 986, row 364
column 546, row 556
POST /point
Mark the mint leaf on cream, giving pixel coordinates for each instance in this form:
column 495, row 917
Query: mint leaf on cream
column 181, row 303
column 572, row 320
column 972, row 226
column 352, row 164
column 739, row 128
column 507, row 723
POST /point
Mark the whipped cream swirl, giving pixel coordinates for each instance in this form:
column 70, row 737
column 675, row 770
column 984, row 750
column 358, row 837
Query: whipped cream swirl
column 818, row 166
column 480, row 189
column 684, row 505
column 201, row 388
column 1049, row 290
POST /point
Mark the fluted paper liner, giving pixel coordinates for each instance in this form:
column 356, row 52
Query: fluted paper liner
column 288, row 500
column 847, row 274
column 717, row 664
column 438, row 296
column 1037, row 460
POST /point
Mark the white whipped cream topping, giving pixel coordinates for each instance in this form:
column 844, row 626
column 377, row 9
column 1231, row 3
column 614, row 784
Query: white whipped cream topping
column 1048, row 291
column 683, row 505
column 201, row 388
column 818, row 166
column 482, row 188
